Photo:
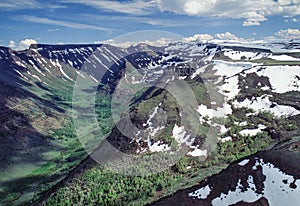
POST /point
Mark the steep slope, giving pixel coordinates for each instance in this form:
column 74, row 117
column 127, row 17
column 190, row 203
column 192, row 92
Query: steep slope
column 38, row 144
column 241, row 109
column 208, row 104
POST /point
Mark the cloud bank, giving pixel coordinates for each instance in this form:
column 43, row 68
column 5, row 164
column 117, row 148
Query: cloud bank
column 69, row 24
column 22, row 45
column 253, row 11
column 289, row 33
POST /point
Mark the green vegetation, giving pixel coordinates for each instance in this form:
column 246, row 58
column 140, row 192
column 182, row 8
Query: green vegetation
column 103, row 187
column 70, row 154
column 72, row 151
column 230, row 151
column 103, row 111
column 65, row 152
column 99, row 186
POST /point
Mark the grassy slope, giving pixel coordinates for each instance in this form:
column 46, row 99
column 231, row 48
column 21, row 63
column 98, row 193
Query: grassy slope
column 54, row 148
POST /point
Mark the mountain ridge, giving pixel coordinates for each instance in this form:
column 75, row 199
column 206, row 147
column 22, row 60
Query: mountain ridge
column 237, row 94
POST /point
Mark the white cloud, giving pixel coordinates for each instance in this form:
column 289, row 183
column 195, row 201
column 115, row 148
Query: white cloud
column 126, row 44
column 199, row 37
column 251, row 23
column 164, row 41
column 12, row 44
column 41, row 20
column 164, row 22
column 253, row 11
column 23, row 44
column 20, row 4
column 135, row 7
column 26, row 4
column 226, row 36
column 195, row 7
column 253, row 19
column 289, row 33
column 270, row 39
column 53, row 30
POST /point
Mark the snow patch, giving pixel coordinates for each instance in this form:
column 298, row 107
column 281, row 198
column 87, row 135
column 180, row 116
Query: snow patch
column 282, row 78
column 283, row 57
column 36, row 68
column 93, row 78
column 180, row 134
column 201, row 193
column 225, row 139
column 253, row 132
column 230, row 88
column 263, row 103
column 197, row 152
column 57, row 64
column 20, row 64
column 98, row 60
column 35, row 76
column 274, row 187
column 237, row 195
column 198, row 71
column 244, row 162
column 229, row 69
column 241, row 55
column 210, row 113
column 158, row 147
column 245, row 123
column 21, row 74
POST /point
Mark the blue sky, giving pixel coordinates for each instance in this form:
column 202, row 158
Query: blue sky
column 89, row 21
